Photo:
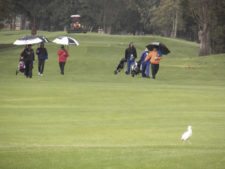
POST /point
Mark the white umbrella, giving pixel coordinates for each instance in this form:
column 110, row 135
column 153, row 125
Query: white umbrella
column 28, row 40
column 43, row 38
column 65, row 40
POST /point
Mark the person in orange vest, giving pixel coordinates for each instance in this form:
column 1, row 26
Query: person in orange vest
column 154, row 58
column 62, row 57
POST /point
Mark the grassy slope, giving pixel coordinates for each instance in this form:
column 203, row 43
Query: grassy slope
column 90, row 118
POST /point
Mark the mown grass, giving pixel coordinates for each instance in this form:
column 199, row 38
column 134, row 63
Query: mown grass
column 89, row 118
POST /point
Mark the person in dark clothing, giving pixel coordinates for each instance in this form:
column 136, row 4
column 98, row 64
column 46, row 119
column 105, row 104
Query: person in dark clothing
column 130, row 56
column 42, row 56
column 28, row 57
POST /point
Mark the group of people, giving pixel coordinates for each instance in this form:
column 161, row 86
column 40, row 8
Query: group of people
column 148, row 60
column 28, row 57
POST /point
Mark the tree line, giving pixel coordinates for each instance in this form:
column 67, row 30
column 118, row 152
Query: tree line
column 202, row 20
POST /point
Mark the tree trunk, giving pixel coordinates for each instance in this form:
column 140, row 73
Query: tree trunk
column 104, row 16
column 204, row 33
column 109, row 29
column 204, row 38
column 175, row 23
column 13, row 23
column 23, row 22
column 33, row 27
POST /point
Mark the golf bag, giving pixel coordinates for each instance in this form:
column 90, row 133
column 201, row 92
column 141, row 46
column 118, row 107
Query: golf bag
column 120, row 65
column 136, row 68
column 21, row 66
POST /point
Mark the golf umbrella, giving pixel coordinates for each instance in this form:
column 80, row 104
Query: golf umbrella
column 28, row 40
column 65, row 40
column 160, row 46
column 43, row 38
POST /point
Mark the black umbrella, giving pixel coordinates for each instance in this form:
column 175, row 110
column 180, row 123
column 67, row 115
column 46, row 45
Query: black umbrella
column 160, row 46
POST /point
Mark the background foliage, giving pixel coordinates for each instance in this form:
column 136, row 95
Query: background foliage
column 172, row 18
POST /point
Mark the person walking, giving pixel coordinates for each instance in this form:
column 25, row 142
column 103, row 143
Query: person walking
column 130, row 56
column 154, row 59
column 28, row 57
column 145, row 65
column 62, row 58
column 42, row 57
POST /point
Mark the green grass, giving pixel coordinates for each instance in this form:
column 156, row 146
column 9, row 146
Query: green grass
column 91, row 119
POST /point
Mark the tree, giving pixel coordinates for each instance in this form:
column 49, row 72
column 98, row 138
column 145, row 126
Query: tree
column 190, row 19
column 146, row 10
column 111, row 10
column 30, row 9
column 4, row 5
column 217, row 25
column 128, row 17
column 201, row 10
column 166, row 17
column 92, row 12
column 7, row 12
column 189, row 28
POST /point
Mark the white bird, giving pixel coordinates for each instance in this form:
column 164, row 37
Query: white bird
column 187, row 134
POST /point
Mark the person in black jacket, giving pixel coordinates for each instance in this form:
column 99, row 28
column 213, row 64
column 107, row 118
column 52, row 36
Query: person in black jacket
column 42, row 56
column 28, row 57
column 130, row 56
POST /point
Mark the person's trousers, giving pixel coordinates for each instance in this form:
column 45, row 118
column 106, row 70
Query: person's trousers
column 155, row 68
column 62, row 66
column 41, row 64
column 129, row 64
column 28, row 69
column 145, row 69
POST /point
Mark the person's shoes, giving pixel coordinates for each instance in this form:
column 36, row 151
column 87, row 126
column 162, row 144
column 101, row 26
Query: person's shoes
column 115, row 72
column 39, row 73
column 145, row 76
